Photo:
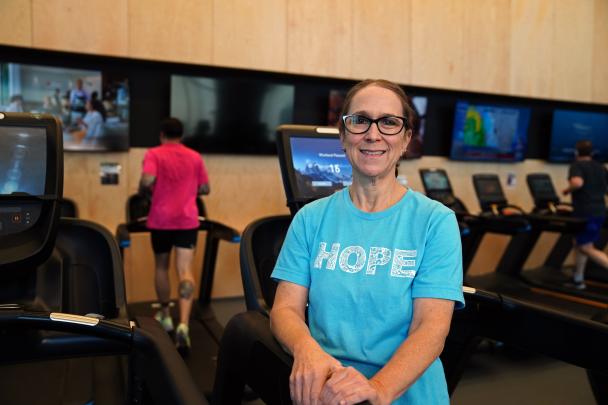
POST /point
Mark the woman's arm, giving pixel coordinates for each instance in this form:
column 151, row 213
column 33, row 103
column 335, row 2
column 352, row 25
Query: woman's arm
column 311, row 365
column 428, row 331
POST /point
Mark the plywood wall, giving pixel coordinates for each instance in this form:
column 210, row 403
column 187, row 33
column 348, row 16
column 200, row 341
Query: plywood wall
column 540, row 48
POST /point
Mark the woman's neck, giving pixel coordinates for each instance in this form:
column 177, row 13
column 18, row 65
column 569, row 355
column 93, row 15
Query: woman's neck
column 376, row 195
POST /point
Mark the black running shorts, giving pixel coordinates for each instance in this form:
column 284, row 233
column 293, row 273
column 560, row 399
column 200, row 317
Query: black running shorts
column 163, row 240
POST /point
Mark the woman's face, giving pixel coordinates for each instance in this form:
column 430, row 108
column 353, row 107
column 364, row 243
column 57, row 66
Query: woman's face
column 373, row 154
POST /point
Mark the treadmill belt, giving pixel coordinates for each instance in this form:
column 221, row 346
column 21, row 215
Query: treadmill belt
column 202, row 359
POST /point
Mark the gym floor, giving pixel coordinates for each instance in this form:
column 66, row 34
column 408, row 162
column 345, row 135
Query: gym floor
column 496, row 375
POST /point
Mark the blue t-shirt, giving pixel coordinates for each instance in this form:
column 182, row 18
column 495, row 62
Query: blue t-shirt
column 363, row 271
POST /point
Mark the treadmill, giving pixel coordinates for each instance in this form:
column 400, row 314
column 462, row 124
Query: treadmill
column 546, row 200
column 205, row 330
column 437, row 186
column 547, row 277
column 64, row 327
column 507, row 277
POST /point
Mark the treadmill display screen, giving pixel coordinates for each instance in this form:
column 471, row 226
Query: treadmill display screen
column 542, row 189
column 320, row 166
column 489, row 190
column 435, row 181
column 22, row 160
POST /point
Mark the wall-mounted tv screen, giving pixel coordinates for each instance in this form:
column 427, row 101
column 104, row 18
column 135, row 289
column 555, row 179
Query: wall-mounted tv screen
column 320, row 166
column 572, row 126
column 231, row 115
column 93, row 106
column 489, row 132
column 418, row 103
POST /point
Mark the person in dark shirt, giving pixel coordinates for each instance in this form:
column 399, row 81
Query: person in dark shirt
column 588, row 183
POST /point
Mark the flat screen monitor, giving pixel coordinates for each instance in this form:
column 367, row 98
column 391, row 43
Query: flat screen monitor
column 541, row 188
column 418, row 104
column 231, row 116
column 92, row 106
column 320, row 166
column 313, row 163
column 572, row 126
column 488, row 190
column 435, row 181
column 489, row 132
column 22, row 160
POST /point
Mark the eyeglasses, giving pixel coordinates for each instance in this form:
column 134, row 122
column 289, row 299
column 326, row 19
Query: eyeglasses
column 387, row 125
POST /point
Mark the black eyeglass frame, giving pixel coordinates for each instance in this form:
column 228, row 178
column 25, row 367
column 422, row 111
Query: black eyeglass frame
column 372, row 121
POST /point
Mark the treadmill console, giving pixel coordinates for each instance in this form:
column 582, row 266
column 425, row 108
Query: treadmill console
column 313, row 163
column 31, row 183
column 489, row 192
column 437, row 185
column 542, row 190
column 22, row 174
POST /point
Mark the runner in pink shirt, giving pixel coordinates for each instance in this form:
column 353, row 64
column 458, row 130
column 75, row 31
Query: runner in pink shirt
column 175, row 175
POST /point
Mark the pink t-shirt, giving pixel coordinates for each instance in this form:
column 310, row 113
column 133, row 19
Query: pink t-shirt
column 179, row 173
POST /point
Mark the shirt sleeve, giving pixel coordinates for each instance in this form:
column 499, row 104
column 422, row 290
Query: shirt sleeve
column 149, row 164
column 440, row 271
column 574, row 171
column 203, row 177
column 293, row 263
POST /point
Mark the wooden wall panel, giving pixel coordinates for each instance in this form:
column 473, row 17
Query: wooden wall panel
column 103, row 204
column 178, row 30
column 94, row 26
column 382, row 41
column 16, row 23
column 247, row 33
column 244, row 188
column 599, row 65
column 319, row 37
column 572, row 50
column 485, row 46
column 437, row 41
column 532, row 33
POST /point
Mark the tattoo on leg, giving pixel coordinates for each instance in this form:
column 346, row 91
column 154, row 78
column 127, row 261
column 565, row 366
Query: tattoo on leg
column 186, row 288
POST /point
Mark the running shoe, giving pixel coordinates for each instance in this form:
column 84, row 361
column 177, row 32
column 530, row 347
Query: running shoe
column 165, row 321
column 182, row 339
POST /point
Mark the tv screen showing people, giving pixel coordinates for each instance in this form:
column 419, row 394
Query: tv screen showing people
column 571, row 126
column 320, row 166
column 22, row 160
column 489, row 132
column 92, row 106
column 232, row 116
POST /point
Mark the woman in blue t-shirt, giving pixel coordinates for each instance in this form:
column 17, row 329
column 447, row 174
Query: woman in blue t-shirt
column 376, row 266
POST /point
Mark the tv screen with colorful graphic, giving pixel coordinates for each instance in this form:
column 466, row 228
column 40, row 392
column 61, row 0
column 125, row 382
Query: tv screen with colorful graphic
column 489, row 132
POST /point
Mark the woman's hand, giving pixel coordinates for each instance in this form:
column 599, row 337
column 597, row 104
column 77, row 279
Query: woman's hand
column 311, row 369
column 348, row 386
